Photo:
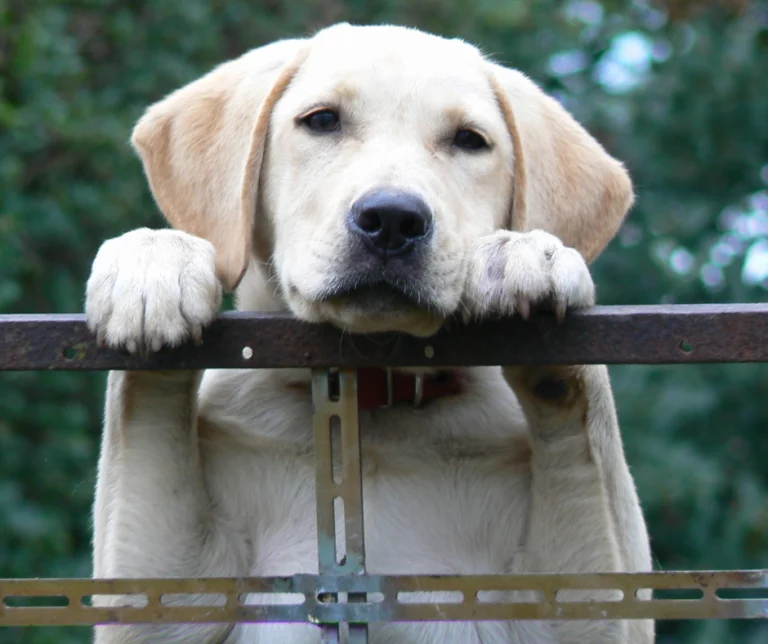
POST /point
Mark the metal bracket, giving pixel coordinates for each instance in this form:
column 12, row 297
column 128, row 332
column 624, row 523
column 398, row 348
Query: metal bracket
column 339, row 491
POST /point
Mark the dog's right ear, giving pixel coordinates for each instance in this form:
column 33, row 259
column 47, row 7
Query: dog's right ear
column 202, row 148
column 564, row 181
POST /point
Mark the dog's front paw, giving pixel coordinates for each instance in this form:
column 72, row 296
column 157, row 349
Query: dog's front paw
column 152, row 288
column 511, row 272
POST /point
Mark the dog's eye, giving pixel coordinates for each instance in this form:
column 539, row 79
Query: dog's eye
column 323, row 121
column 469, row 140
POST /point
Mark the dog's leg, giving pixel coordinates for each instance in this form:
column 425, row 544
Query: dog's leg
column 153, row 516
column 584, row 515
column 574, row 405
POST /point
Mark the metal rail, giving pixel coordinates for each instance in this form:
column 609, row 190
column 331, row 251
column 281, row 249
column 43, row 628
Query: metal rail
column 602, row 335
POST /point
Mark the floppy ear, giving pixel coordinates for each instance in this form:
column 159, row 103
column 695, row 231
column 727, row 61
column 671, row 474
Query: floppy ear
column 202, row 148
column 565, row 182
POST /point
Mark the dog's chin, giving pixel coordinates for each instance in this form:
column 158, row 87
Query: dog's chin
column 377, row 309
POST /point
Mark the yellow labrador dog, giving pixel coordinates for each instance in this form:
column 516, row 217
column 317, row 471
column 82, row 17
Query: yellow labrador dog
column 380, row 179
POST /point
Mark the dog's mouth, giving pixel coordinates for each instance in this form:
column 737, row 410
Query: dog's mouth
column 375, row 304
column 378, row 296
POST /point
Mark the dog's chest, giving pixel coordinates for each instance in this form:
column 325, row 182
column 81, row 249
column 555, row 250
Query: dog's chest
column 445, row 488
column 427, row 511
column 445, row 492
column 424, row 514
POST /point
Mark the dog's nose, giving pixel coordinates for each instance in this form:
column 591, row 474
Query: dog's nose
column 390, row 222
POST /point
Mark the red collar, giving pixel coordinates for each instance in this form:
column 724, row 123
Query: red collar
column 377, row 387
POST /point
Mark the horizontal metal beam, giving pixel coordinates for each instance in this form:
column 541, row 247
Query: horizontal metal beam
column 602, row 335
column 710, row 595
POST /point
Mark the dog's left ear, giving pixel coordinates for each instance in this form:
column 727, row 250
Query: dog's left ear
column 565, row 182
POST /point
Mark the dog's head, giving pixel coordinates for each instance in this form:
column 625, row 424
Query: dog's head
column 347, row 175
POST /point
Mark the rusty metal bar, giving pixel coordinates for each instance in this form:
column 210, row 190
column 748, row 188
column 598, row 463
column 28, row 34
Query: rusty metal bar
column 339, row 489
column 610, row 335
column 713, row 595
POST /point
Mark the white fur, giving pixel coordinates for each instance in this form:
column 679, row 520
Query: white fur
column 213, row 474
column 133, row 300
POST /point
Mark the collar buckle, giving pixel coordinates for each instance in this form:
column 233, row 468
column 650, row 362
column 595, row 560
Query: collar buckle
column 418, row 388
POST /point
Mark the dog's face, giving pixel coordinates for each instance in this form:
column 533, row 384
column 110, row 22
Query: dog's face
column 359, row 167
column 387, row 155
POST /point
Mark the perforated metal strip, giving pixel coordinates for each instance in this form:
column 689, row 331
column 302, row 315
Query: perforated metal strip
column 339, row 490
column 713, row 595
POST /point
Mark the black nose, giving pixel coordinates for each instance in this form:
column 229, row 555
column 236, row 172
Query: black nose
column 390, row 222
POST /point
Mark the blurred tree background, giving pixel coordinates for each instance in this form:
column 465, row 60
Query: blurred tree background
column 679, row 90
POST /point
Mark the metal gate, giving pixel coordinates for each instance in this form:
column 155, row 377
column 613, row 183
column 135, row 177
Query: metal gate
column 342, row 598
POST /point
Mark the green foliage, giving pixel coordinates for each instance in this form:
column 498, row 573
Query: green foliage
column 683, row 99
